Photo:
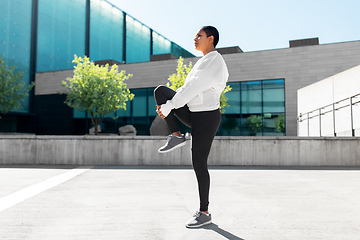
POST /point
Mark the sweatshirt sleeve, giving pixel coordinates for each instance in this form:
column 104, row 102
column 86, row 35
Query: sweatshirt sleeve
column 204, row 77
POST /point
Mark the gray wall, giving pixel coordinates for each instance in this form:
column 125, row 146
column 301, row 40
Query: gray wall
column 299, row 66
column 142, row 150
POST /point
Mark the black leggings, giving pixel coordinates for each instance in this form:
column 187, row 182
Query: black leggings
column 204, row 126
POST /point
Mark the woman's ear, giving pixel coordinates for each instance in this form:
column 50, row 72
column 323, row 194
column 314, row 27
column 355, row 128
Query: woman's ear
column 211, row 39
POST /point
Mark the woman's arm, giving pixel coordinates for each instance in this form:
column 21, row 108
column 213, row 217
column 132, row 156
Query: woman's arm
column 208, row 73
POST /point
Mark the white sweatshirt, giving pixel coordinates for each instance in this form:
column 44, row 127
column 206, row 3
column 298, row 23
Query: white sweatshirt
column 203, row 86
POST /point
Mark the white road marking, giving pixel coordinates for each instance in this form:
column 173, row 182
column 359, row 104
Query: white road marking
column 26, row 193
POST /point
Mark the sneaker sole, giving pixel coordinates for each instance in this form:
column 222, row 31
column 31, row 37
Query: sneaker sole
column 196, row 226
column 169, row 150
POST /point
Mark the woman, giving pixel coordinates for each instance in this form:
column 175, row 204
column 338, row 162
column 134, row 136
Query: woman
column 196, row 104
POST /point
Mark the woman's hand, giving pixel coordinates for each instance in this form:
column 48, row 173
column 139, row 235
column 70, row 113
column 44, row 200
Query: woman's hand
column 158, row 110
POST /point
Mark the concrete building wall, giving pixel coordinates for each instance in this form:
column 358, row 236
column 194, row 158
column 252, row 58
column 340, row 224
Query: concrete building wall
column 142, row 150
column 299, row 66
column 331, row 90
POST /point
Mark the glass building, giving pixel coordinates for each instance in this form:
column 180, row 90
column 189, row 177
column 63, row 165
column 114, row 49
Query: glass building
column 44, row 35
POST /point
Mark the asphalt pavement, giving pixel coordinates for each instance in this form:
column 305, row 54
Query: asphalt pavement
column 114, row 202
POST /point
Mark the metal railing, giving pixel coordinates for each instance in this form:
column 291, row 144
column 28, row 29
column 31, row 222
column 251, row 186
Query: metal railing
column 331, row 108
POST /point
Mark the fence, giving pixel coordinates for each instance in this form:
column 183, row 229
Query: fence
column 341, row 118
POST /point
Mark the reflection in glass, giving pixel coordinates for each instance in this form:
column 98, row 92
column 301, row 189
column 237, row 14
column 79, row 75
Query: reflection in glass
column 253, row 111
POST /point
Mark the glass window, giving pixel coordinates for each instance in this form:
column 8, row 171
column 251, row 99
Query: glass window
column 179, row 51
column 123, row 112
column 139, row 103
column 230, row 125
column 160, row 44
column 254, row 107
column 233, row 99
column 61, row 34
column 273, row 96
column 137, row 41
column 251, row 97
column 151, row 102
column 274, row 100
column 78, row 114
column 15, row 28
column 106, row 31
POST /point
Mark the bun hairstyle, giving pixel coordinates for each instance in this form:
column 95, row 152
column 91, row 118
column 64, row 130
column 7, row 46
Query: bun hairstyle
column 211, row 31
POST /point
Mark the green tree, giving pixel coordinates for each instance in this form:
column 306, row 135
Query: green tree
column 98, row 90
column 254, row 123
column 178, row 79
column 279, row 123
column 12, row 89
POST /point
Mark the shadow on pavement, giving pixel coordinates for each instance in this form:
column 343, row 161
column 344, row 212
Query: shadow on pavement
column 221, row 232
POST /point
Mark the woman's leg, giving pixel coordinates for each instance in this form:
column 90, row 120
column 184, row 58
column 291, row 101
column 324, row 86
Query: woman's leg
column 162, row 94
column 204, row 128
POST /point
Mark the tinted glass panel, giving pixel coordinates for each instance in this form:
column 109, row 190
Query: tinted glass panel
column 61, row 34
column 160, row 44
column 137, row 41
column 15, row 21
column 106, row 31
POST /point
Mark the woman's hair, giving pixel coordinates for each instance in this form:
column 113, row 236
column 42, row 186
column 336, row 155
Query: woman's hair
column 211, row 31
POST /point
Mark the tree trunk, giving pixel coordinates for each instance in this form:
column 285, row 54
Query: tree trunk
column 95, row 122
column 96, row 128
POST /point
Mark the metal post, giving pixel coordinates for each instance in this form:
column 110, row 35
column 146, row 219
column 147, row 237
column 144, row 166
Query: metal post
column 87, row 29
column 116, row 122
column 308, row 125
column 124, row 38
column 151, row 42
column 33, row 55
column 334, row 119
column 298, row 123
column 320, row 121
column 351, row 118
column 86, row 123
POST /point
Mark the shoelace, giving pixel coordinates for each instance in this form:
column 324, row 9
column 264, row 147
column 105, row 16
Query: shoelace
column 169, row 137
column 197, row 214
column 168, row 140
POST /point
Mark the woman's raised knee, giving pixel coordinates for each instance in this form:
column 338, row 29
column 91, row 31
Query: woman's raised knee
column 159, row 88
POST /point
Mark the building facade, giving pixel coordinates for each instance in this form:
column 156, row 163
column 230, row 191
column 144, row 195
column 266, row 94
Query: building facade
column 264, row 84
column 44, row 35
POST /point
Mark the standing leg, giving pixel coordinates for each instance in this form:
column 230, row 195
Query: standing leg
column 203, row 131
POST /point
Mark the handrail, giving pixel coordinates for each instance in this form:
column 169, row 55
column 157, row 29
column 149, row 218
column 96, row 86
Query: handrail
column 317, row 109
column 308, row 115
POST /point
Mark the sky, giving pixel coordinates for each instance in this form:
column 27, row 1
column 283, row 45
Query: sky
column 252, row 25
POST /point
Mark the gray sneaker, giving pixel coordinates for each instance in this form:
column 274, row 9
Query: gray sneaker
column 172, row 143
column 198, row 220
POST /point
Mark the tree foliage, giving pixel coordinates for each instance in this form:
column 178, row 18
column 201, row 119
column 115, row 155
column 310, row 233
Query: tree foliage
column 97, row 90
column 178, row 79
column 12, row 89
column 254, row 123
column 279, row 123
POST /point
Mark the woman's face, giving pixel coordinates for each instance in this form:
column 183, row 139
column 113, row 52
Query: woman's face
column 201, row 41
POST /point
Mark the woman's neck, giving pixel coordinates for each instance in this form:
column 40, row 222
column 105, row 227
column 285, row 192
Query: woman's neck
column 208, row 50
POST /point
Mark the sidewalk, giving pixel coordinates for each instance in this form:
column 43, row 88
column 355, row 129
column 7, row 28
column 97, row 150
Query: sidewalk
column 154, row 203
